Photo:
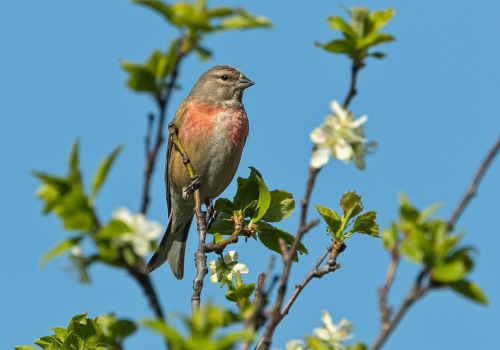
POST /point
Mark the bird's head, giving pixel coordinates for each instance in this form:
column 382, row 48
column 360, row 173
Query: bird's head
column 222, row 85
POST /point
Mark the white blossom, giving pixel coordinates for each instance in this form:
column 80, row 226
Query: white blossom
column 224, row 268
column 142, row 232
column 334, row 334
column 341, row 136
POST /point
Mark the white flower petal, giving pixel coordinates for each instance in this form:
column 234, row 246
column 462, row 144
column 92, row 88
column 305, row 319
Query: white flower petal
column 338, row 110
column 343, row 151
column 320, row 157
column 317, row 136
column 150, row 230
column 214, row 278
column 140, row 246
column 124, row 215
column 242, row 268
column 231, row 256
column 212, row 264
column 295, row 344
column 327, row 321
column 322, row 334
column 358, row 122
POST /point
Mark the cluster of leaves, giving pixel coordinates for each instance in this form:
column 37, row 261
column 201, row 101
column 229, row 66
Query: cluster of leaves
column 204, row 330
column 256, row 207
column 429, row 243
column 360, row 35
column 351, row 206
column 66, row 197
column 101, row 333
column 194, row 20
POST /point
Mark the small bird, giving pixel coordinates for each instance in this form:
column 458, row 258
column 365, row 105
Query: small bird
column 212, row 128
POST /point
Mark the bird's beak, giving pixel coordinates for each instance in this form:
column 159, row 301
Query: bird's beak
column 243, row 83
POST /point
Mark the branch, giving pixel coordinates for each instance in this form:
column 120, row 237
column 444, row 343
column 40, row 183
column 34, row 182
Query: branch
column 471, row 191
column 151, row 156
column 200, row 257
column 330, row 266
column 385, row 310
column 416, row 292
column 352, row 88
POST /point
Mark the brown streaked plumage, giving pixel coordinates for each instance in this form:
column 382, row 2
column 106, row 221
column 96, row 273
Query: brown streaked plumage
column 213, row 128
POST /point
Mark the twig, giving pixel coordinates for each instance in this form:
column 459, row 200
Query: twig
column 415, row 293
column 162, row 102
column 471, row 191
column 200, row 257
column 352, row 89
column 330, row 266
column 385, row 310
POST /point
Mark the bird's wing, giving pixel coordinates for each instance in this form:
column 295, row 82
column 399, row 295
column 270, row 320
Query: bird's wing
column 179, row 117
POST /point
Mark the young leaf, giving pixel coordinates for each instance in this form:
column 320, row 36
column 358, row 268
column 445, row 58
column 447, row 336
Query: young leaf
column 103, row 169
column 281, row 206
column 366, row 224
column 245, row 20
column 263, row 202
column 158, row 6
column 449, row 271
column 351, row 205
column 223, row 225
column 338, row 46
column 337, row 22
column 331, row 218
column 114, row 228
column 270, row 236
column 224, row 205
column 58, row 249
column 141, row 79
column 379, row 19
column 469, row 290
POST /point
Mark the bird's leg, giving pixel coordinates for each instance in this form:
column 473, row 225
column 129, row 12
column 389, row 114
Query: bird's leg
column 194, row 185
column 211, row 214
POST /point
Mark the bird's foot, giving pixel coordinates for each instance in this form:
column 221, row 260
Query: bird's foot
column 194, row 185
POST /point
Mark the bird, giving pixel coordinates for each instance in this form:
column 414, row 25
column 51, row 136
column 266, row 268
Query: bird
column 212, row 128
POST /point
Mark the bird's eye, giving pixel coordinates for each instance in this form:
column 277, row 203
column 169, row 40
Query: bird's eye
column 224, row 77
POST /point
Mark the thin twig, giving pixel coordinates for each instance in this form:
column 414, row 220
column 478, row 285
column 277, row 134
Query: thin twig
column 385, row 310
column 200, row 256
column 471, row 191
column 415, row 293
column 352, row 88
column 316, row 272
column 162, row 102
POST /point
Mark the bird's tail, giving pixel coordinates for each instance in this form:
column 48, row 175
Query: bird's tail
column 172, row 248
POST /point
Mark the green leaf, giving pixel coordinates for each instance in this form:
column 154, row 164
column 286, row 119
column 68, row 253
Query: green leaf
column 390, row 237
column 220, row 11
column 366, row 224
column 60, row 333
column 339, row 46
column 357, row 346
column 140, row 79
column 407, row 212
column 450, row 271
column 248, row 190
column 411, row 252
column 113, row 228
column 373, row 40
column 359, row 17
column 74, row 164
column 52, row 191
column 331, row 218
column 224, row 205
column 337, row 22
column 158, row 6
column 263, row 202
column 103, row 169
column 351, row 205
column 316, row 344
column 24, row 347
column 245, row 20
column 469, row 290
column 75, row 212
column 58, row 249
column 203, row 53
column 270, row 236
column 281, row 206
column 217, row 238
column 378, row 19
column 223, row 225
column 378, row 55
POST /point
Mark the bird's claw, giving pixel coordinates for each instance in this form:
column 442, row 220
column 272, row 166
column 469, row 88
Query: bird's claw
column 194, row 185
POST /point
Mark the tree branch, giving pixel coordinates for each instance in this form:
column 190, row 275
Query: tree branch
column 385, row 310
column 352, row 88
column 415, row 293
column 471, row 191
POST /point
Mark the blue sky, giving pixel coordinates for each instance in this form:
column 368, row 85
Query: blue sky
column 432, row 105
